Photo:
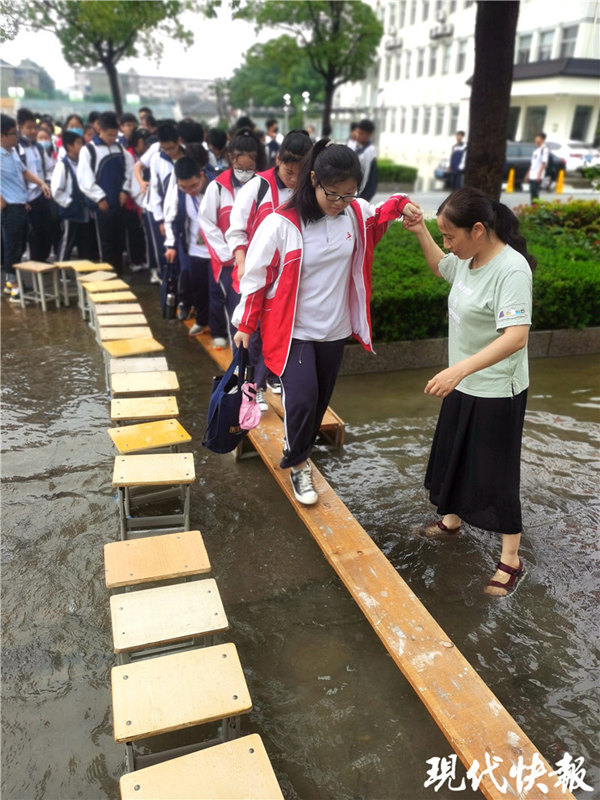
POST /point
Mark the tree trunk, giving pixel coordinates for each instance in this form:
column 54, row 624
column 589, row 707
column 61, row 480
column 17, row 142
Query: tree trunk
column 495, row 29
column 115, row 88
column 327, row 107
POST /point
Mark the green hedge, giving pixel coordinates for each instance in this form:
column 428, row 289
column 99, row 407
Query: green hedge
column 409, row 302
column 388, row 172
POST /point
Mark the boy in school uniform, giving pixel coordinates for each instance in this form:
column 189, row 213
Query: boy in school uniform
column 134, row 141
column 197, row 288
column 13, row 199
column 104, row 173
column 39, row 213
column 217, row 145
column 367, row 156
column 74, row 209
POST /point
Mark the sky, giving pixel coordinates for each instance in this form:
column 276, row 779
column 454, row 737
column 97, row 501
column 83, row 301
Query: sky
column 219, row 47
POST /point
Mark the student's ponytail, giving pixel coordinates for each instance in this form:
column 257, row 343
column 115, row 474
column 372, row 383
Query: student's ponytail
column 466, row 206
column 332, row 164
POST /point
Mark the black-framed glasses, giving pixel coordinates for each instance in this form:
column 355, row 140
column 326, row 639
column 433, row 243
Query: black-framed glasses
column 345, row 198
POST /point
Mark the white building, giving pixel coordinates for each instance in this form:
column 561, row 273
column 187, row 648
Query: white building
column 418, row 92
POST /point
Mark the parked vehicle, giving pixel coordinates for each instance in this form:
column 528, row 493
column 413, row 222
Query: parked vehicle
column 576, row 155
column 518, row 157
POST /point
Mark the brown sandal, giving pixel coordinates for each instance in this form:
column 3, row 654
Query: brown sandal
column 437, row 530
column 511, row 584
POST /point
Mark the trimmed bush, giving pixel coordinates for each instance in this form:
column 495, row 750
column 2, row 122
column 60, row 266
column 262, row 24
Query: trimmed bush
column 388, row 172
column 409, row 302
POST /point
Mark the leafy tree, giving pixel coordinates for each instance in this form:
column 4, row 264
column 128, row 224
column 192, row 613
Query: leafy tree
column 269, row 71
column 339, row 37
column 495, row 28
column 99, row 32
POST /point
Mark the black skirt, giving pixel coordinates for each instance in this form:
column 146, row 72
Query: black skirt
column 474, row 467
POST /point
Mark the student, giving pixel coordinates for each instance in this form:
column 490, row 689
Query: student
column 190, row 178
column 537, row 168
column 88, row 134
column 247, row 157
column 35, row 159
column 217, row 145
column 75, row 123
column 367, row 155
column 127, row 125
column 307, row 281
column 474, row 466
column 14, row 177
column 143, row 114
column 256, row 200
column 94, row 120
column 273, row 140
column 134, row 141
column 78, row 226
column 352, row 142
column 104, row 175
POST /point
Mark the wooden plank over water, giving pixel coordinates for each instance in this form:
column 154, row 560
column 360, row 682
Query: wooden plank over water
column 470, row 716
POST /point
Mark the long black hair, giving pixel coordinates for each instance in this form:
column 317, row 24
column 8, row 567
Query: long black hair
column 466, row 206
column 245, row 140
column 294, row 147
column 332, row 164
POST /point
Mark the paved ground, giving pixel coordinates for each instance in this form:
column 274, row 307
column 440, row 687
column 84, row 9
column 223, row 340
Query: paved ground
column 430, row 201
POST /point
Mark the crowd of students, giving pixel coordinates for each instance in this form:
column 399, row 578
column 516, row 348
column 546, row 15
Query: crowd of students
column 268, row 240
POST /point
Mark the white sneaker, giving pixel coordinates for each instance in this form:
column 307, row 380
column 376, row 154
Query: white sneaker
column 196, row 329
column 260, row 399
column 154, row 276
column 274, row 384
column 303, row 486
column 219, row 343
column 137, row 267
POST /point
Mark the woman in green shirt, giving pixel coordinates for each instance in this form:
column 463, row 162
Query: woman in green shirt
column 474, row 467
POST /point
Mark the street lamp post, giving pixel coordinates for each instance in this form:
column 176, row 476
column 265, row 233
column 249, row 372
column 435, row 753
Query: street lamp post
column 305, row 104
column 287, row 99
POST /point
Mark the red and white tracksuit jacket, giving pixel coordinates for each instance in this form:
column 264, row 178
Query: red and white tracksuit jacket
column 273, row 272
column 213, row 221
column 255, row 201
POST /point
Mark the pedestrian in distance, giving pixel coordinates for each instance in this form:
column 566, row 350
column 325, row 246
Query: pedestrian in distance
column 537, row 167
column 307, row 282
column 474, row 467
column 458, row 158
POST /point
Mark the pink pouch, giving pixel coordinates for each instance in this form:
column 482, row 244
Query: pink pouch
column 249, row 411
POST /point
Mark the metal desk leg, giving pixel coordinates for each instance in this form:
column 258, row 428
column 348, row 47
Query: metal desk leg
column 186, row 508
column 21, row 290
column 55, row 288
column 41, row 291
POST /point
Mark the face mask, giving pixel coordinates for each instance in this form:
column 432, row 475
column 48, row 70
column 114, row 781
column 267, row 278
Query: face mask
column 243, row 175
column 46, row 144
column 77, row 130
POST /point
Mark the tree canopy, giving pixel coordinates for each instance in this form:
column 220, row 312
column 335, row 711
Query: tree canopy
column 339, row 37
column 98, row 32
column 271, row 70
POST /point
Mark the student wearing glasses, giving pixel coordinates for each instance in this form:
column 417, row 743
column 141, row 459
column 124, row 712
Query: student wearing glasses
column 307, row 281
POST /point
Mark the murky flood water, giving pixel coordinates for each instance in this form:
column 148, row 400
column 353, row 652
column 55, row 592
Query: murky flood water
column 336, row 715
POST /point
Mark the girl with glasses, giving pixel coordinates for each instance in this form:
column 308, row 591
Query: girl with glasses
column 307, row 281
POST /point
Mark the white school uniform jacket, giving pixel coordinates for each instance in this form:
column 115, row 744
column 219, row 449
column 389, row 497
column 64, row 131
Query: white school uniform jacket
column 106, row 180
column 161, row 176
column 61, row 184
column 255, row 201
column 37, row 162
column 196, row 245
column 273, row 271
column 214, row 221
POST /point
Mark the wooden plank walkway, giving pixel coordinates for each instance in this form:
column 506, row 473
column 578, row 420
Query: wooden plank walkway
column 468, row 713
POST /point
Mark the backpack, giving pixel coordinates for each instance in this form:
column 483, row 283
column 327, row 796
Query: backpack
column 75, row 210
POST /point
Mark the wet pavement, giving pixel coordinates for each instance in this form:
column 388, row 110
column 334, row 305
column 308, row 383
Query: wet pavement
column 337, row 717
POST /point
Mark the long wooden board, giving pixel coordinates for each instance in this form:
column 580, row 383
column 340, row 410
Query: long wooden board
column 462, row 705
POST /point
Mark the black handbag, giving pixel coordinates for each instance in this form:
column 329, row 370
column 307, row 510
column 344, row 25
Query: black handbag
column 223, row 432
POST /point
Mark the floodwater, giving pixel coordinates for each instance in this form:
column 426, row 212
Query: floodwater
column 337, row 717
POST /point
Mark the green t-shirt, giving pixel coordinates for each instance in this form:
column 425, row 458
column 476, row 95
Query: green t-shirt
column 482, row 302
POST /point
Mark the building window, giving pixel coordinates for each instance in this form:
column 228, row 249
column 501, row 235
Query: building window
column 535, row 117
column 407, row 67
column 398, row 74
column 420, row 61
column 439, row 7
column 388, row 68
column 402, row 120
column 546, row 40
column 523, row 48
column 414, row 125
column 439, row 120
column 581, row 123
column 452, row 6
column 461, row 58
column 433, row 59
column 402, row 14
column 568, row 42
column 446, row 53
column 469, row 3
column 413, row 11
column 392, row 19
column 514, row 112
column 453, row 119
column 424, row 9
column 426, row 120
